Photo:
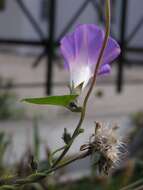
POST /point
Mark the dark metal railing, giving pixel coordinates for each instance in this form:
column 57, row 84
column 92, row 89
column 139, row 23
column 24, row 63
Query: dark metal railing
column 49, row 43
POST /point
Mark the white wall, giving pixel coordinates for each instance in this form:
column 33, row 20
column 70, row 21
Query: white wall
column 10, row 20
column 135, row 14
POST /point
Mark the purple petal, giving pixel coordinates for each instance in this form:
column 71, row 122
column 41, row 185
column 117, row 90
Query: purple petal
column 81, row 44
column 88, row 42
column 112, row 51
column 68, row 49
column 81, row 51
column 95, row 40
column 104, row 69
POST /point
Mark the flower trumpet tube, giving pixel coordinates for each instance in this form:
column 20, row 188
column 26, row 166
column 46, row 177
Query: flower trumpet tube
column 81, row 50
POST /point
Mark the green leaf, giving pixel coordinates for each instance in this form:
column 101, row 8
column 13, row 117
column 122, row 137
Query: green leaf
column 7, row 187
column 63, row 100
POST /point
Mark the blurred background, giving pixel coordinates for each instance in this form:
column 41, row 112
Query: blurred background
column 31, row 66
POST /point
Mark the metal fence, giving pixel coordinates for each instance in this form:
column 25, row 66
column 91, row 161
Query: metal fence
column 50, row 43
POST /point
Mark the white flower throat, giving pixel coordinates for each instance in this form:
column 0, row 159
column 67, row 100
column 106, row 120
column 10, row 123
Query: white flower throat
column 80, row 74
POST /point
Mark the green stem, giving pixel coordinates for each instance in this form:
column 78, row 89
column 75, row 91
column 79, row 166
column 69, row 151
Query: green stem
column 59, row 149
column 133, row 185
column 107, row 33
column 37, row 176
column 82, row 116
column 11, row 183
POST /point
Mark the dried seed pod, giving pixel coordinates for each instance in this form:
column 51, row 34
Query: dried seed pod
column 108, row 145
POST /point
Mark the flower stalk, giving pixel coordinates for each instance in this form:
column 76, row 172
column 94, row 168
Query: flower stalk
column 83, row 111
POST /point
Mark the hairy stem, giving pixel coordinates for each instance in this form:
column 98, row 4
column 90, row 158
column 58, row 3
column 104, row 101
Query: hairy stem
column 82, row 116
column 5, row 183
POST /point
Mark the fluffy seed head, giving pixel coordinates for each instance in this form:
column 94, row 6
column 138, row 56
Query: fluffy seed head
column 106, row 143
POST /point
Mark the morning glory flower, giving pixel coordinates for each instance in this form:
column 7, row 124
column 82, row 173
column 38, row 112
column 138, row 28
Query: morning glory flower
column 81, row 50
